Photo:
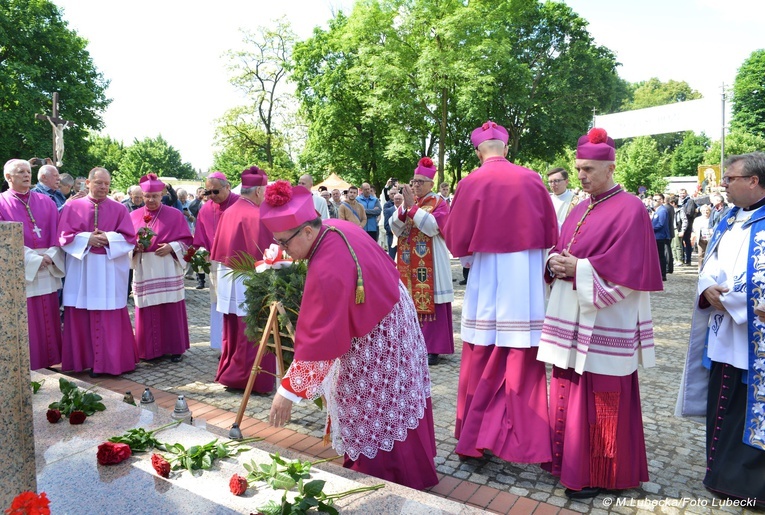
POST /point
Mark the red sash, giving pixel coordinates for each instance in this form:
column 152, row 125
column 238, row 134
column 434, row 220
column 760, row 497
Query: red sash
column 415, row 263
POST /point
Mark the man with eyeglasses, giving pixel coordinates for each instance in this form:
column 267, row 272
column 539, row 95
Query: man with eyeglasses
column 724, row 377
column 220, row 197
column 363, row 351
column 501, row 398
column 240, row 231
column 563, row 199
column 423, row 259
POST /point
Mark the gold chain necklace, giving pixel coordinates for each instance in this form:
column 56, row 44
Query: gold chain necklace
column 587, row 212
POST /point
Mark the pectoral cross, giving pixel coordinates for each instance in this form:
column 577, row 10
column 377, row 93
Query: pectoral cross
column 37, row 231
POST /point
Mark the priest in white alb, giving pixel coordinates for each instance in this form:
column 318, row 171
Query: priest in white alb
column 97, row 235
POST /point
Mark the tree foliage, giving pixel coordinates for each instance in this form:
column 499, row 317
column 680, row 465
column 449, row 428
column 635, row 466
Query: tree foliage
column 40, row 55
column 688, row 155
column 250, row 134
column 653, row 92
column 103, row 151
column 639, row 163
column 150, row 155
column 736, row 142
column 399, row 79
column 749, row 95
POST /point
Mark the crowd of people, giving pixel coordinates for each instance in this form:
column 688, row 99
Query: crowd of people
column 568, row 287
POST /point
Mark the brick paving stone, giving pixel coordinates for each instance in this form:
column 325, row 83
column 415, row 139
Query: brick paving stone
column 503, row 502
column 463, row 491
column 483, row 496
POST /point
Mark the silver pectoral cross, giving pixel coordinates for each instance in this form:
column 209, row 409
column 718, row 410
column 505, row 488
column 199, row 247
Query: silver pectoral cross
column 36, row 230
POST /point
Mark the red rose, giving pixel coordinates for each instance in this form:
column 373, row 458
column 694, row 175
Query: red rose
column 53, row 415
column 238, row 484
column 77, row 417
column 112, row 453
column 147, row 218
column 161, row 465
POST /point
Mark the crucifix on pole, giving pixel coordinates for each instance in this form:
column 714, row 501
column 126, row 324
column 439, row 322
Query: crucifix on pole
column 58, row 125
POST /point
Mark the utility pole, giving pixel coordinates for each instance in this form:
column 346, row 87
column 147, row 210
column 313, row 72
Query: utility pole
column 722, row 132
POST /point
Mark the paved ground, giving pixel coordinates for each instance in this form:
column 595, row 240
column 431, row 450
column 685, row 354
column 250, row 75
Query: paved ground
column 675, row 446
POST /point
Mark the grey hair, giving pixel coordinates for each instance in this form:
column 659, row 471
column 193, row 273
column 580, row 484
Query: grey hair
column 45, row 170
column 250, row 190
column 13, row 164
column 66, row 179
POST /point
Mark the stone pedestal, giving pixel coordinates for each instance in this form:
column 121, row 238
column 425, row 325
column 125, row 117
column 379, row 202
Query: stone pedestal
column 17, row 446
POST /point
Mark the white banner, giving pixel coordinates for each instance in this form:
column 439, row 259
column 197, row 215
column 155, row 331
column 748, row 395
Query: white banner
column 703, row 115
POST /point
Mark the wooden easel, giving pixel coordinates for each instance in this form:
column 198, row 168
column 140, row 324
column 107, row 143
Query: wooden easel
column 271, row 329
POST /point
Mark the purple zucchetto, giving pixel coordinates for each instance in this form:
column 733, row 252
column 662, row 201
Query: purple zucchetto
column 254, row 176
column 596, row 145
column 150, row 183
column 217, row 175
column 487, row 131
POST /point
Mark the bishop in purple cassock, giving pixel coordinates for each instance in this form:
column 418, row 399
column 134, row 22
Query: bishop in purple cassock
column 97, row 235
column 220, row 197
column 161, row 326
column 43, row 261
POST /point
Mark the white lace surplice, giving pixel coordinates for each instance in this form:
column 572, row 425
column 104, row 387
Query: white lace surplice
column 376, row 391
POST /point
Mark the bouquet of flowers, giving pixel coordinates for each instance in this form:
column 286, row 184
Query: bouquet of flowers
column 145, row 235
column 198, row 259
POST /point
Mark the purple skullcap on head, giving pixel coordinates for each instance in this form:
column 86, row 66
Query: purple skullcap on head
column 286, row 207
column 596, row 145
column 254, row 176
column 149, row 183
column 487, row 131
column 426, row 168
column 217, row 175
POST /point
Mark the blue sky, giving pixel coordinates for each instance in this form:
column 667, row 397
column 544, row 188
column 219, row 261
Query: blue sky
column 168, row 77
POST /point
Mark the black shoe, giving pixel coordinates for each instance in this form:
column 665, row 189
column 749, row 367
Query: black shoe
column 93, row 374
column 463, row 282
column 663, row 277
column 176, row 358
column 433, row 359
column 200, row 286
column 587, row 492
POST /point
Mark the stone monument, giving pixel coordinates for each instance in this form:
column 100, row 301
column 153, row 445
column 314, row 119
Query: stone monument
column 17, row 444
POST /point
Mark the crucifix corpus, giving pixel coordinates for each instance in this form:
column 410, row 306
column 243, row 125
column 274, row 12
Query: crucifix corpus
column 58, row 125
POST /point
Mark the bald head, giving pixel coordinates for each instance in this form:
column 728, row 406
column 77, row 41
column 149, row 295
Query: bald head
column 306, row 181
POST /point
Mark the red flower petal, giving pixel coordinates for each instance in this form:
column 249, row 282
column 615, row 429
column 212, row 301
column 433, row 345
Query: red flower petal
column 161, row 465
column 77, row 417
column 53, row 415
column 238, row 484
column 110, row 453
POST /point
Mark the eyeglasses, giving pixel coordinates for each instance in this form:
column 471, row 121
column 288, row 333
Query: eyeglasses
column 213, row 192
column 286, row 242
column 418, row 182
column 557, row 181
column 728, row 178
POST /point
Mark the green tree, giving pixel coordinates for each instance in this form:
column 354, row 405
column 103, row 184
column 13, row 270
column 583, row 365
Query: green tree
column 653, row 92
column 639, row 163
column 40, row 55
column 250, row 134
column 688, row 155
column 103, row 151
column 150, row 155
column 736, row 142
column 749, row 95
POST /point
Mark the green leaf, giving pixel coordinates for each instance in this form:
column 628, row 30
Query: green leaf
column 247, row 467
column 271, row 508
column 314, row 488
column 327, row 508
column 283, row 481
column 207, row 461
